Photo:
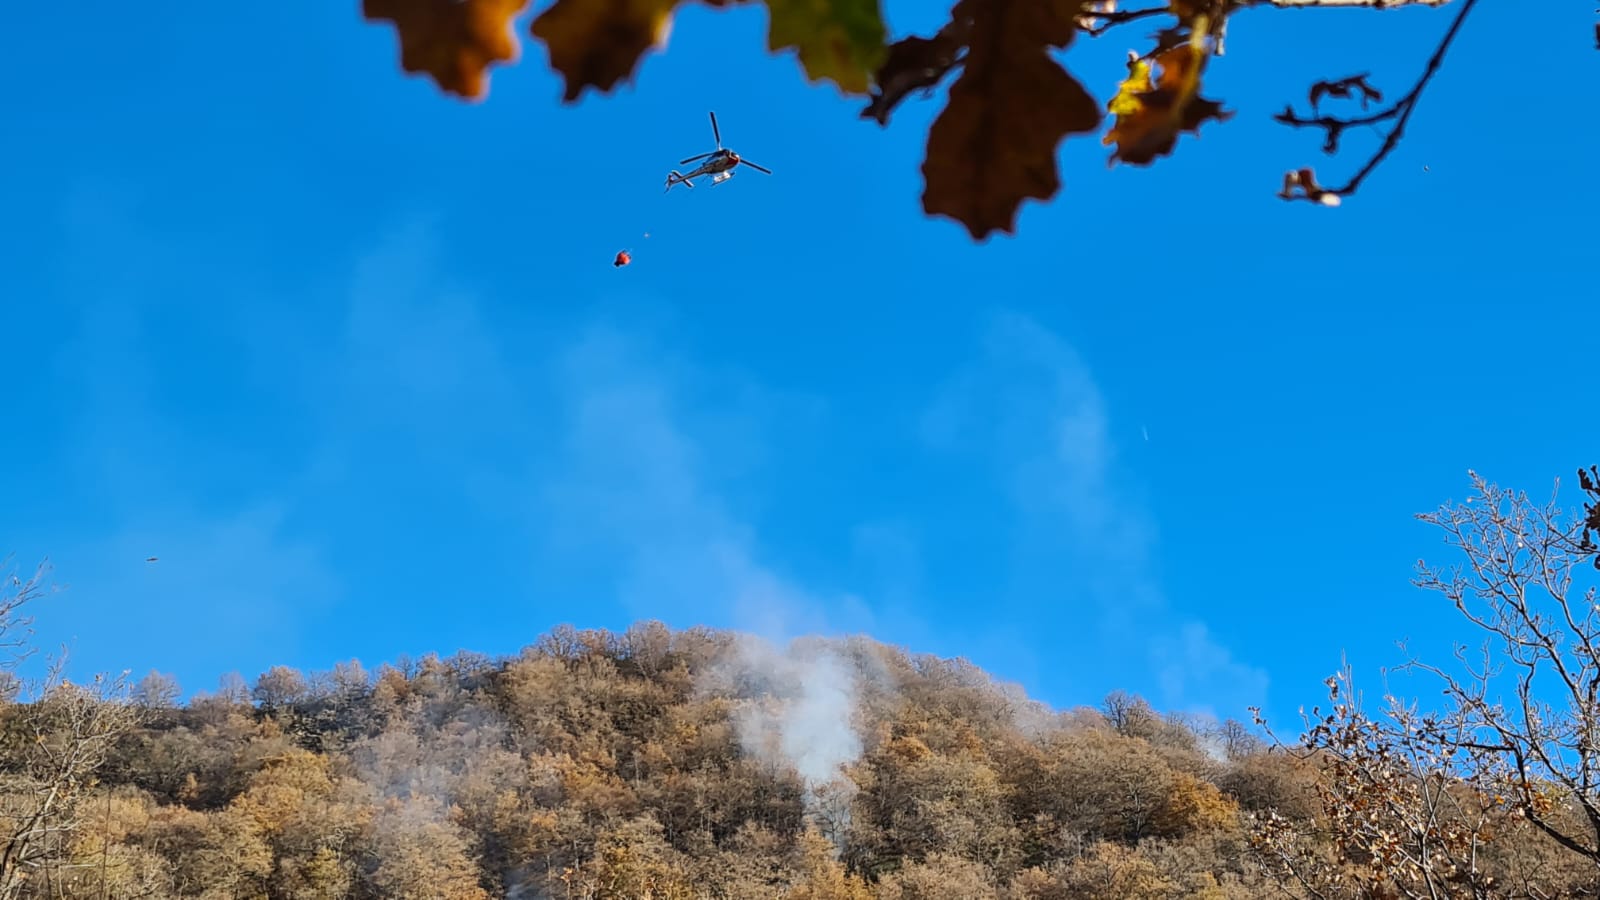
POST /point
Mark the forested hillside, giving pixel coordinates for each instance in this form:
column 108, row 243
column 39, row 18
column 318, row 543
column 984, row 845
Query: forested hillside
column 647, row 764
column 655, row 764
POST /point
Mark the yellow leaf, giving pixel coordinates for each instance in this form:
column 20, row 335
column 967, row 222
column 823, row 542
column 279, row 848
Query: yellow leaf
column 1126, row 102
column 1151, row 116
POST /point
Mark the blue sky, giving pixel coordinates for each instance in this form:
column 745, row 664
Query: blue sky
column 351, row 359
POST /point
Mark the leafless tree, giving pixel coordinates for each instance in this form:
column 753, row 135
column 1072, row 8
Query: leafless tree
column 56, row 736
column 157, row 690
column 59, row 742
column 1525, row 706
column 16, row 627
column 1417, row 796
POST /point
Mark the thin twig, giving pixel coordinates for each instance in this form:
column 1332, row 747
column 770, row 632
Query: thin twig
column 1400, row 111
column 1110, row 20
column 1323, row 4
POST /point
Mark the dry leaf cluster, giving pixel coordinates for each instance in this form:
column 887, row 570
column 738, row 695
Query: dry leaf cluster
column 1010, row 106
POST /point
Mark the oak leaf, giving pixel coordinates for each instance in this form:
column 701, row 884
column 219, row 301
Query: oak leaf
column 914, row 63
column 1152, row 113
column 838, row 40
column 455, row 41
column 598, row 43
column 994, row 145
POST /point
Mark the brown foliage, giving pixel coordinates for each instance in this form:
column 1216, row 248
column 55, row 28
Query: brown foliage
column 1589, row 482
column 422, row 857
column 1152, row 112
column 599, row 44
column 1486, row 797
column 599, row 765
column 1114, row 872
column 821, row 876
column 1395, row 820
column 52, row 750
column 994, row 145
column 941, row 876
column 454, row 41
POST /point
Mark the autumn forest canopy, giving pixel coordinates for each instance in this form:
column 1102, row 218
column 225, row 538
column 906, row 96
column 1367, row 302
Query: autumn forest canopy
column 1012, row 100
column 653, row 763
column 700, row 763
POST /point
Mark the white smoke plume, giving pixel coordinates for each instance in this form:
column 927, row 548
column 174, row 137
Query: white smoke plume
column 809, row 726
column 798, row 714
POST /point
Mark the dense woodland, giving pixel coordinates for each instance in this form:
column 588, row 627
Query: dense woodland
column 707, row 764
column 599, row 765
column 621, row 765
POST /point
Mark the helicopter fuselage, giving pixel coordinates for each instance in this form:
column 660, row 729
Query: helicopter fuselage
column 719, row 166
column 719, row 163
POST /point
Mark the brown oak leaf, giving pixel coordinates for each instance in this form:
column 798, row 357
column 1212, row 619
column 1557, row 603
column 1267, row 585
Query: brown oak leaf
column 994, row 145
column 914, row 63
column 598, row 43
column 454, row 41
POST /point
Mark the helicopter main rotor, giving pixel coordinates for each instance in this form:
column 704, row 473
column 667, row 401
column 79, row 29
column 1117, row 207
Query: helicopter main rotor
column 716, row 133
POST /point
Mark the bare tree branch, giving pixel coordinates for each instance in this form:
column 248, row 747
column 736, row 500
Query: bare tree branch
column 1517, row 744
column 56, row 745
column 16, row 627
column 1400, row 815
column 1104, row 16
column 1368, row 4
column 1302, row 183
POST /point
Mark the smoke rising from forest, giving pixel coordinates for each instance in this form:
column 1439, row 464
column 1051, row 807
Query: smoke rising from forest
column 799, row 706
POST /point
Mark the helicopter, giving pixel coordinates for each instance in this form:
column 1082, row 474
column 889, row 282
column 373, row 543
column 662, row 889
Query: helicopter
column 719, row 163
